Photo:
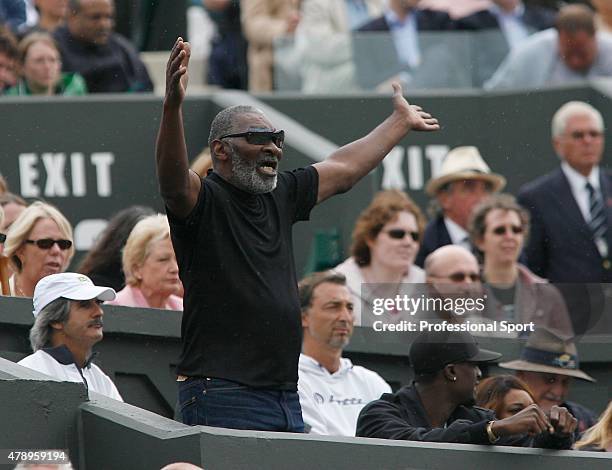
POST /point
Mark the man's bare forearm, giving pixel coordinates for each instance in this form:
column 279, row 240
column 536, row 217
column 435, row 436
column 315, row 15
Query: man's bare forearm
column 171, row 155
column 363, row 155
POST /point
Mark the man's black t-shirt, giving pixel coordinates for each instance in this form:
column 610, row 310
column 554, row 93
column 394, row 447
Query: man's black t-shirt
column 242, row 315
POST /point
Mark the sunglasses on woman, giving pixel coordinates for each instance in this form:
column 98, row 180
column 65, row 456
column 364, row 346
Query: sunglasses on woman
column 502, row 229
column 399, row 234
column 47, row 243
column 261, row 137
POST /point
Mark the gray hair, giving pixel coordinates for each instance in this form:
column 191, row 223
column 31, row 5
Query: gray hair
column 571, row 109
column 225, row 121
column 56, row 312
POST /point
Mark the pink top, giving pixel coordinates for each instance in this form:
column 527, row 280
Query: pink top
column 131, row 296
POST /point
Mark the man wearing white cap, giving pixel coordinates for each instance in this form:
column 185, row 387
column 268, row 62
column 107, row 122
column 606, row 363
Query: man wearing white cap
column 68, row 322
column 463, row 181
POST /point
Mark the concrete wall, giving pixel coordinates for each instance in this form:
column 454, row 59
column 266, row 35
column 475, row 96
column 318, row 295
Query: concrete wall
column 103, row 434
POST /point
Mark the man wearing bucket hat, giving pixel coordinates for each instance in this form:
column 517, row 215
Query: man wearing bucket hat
column 439, row 405
column 548, row 364
column 68, row 323
column 463, row 181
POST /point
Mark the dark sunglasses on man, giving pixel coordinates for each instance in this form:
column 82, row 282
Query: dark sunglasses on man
column 399, row 234
column 261, row 137
column 47, row 243
column 460, row 276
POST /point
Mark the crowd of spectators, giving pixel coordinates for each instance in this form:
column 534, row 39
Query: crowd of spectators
column 333, row 46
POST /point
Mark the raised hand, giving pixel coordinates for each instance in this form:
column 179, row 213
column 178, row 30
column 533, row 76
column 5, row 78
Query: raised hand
column 413, row 116
column 176, row 73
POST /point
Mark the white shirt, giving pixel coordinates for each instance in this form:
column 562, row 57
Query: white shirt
column 355, row 281
column 511, row 24
column 458, row 235
column 59, row 363
column 578, row 183
column 331, row 402
column 405, row 37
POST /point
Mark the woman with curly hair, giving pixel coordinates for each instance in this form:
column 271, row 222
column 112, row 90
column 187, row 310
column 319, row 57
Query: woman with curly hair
column 385, row 242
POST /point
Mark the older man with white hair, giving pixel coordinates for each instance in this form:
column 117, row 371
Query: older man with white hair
column 68, row 323
column 570, row 207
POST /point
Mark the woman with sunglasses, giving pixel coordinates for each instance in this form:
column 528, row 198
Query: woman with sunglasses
column 38, row 243
column 385, row 243
column 498, row 228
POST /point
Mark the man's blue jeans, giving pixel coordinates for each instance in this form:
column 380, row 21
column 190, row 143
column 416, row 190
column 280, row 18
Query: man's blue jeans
column 225, row 404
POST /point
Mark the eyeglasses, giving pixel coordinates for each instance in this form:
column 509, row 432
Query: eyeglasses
column 261, row 137
column 502, row 229
column 579, row 135
column 47, row 243
column 399, row 234
column 461, row 277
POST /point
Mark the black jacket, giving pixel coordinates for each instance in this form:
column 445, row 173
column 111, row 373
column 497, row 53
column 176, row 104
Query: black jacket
column 401, row 416
column 435, row 236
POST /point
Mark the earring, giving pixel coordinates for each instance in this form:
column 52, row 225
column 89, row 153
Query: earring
column 454, row 379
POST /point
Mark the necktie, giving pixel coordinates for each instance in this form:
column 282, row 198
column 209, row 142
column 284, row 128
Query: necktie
column 598, row 214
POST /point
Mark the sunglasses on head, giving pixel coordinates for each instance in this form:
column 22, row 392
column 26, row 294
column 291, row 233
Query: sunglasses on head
column 399, row 234
column 502, row 229
column 47, row 243
column 261, row 137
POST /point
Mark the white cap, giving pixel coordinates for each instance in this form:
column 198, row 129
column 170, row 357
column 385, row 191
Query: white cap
column 73, row 286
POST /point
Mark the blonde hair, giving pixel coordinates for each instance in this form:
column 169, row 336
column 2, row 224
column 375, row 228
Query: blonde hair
column 149, row 230
column 22, row 226
column 599, row 435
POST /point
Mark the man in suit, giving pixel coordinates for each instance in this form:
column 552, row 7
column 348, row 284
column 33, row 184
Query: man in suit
column 399, row 51
column 513, row 18
column 463, row 181
column 571, row 209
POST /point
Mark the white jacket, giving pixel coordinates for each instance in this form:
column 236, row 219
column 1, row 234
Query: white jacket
column 331, row 402
column 62, row 367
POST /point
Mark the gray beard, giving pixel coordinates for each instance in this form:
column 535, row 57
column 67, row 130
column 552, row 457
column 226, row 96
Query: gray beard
column 246, row 177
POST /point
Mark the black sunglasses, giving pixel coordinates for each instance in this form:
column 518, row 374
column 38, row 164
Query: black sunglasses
column 502, row 229
column 461, row 276
column 399, row 234
column 2, row 237
column 261, row 137
column 47, row 243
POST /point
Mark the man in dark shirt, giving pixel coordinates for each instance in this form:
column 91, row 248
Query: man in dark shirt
column 439, row 405
column 88, row 45
column 232, row 236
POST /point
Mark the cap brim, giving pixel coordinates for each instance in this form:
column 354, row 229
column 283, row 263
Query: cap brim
column 531, row 367
column 497, row 181
column 91, row 292
column 484, row 355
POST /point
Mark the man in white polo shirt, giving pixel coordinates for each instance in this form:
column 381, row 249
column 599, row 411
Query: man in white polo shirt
column 68, row 322
column 332, row 390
